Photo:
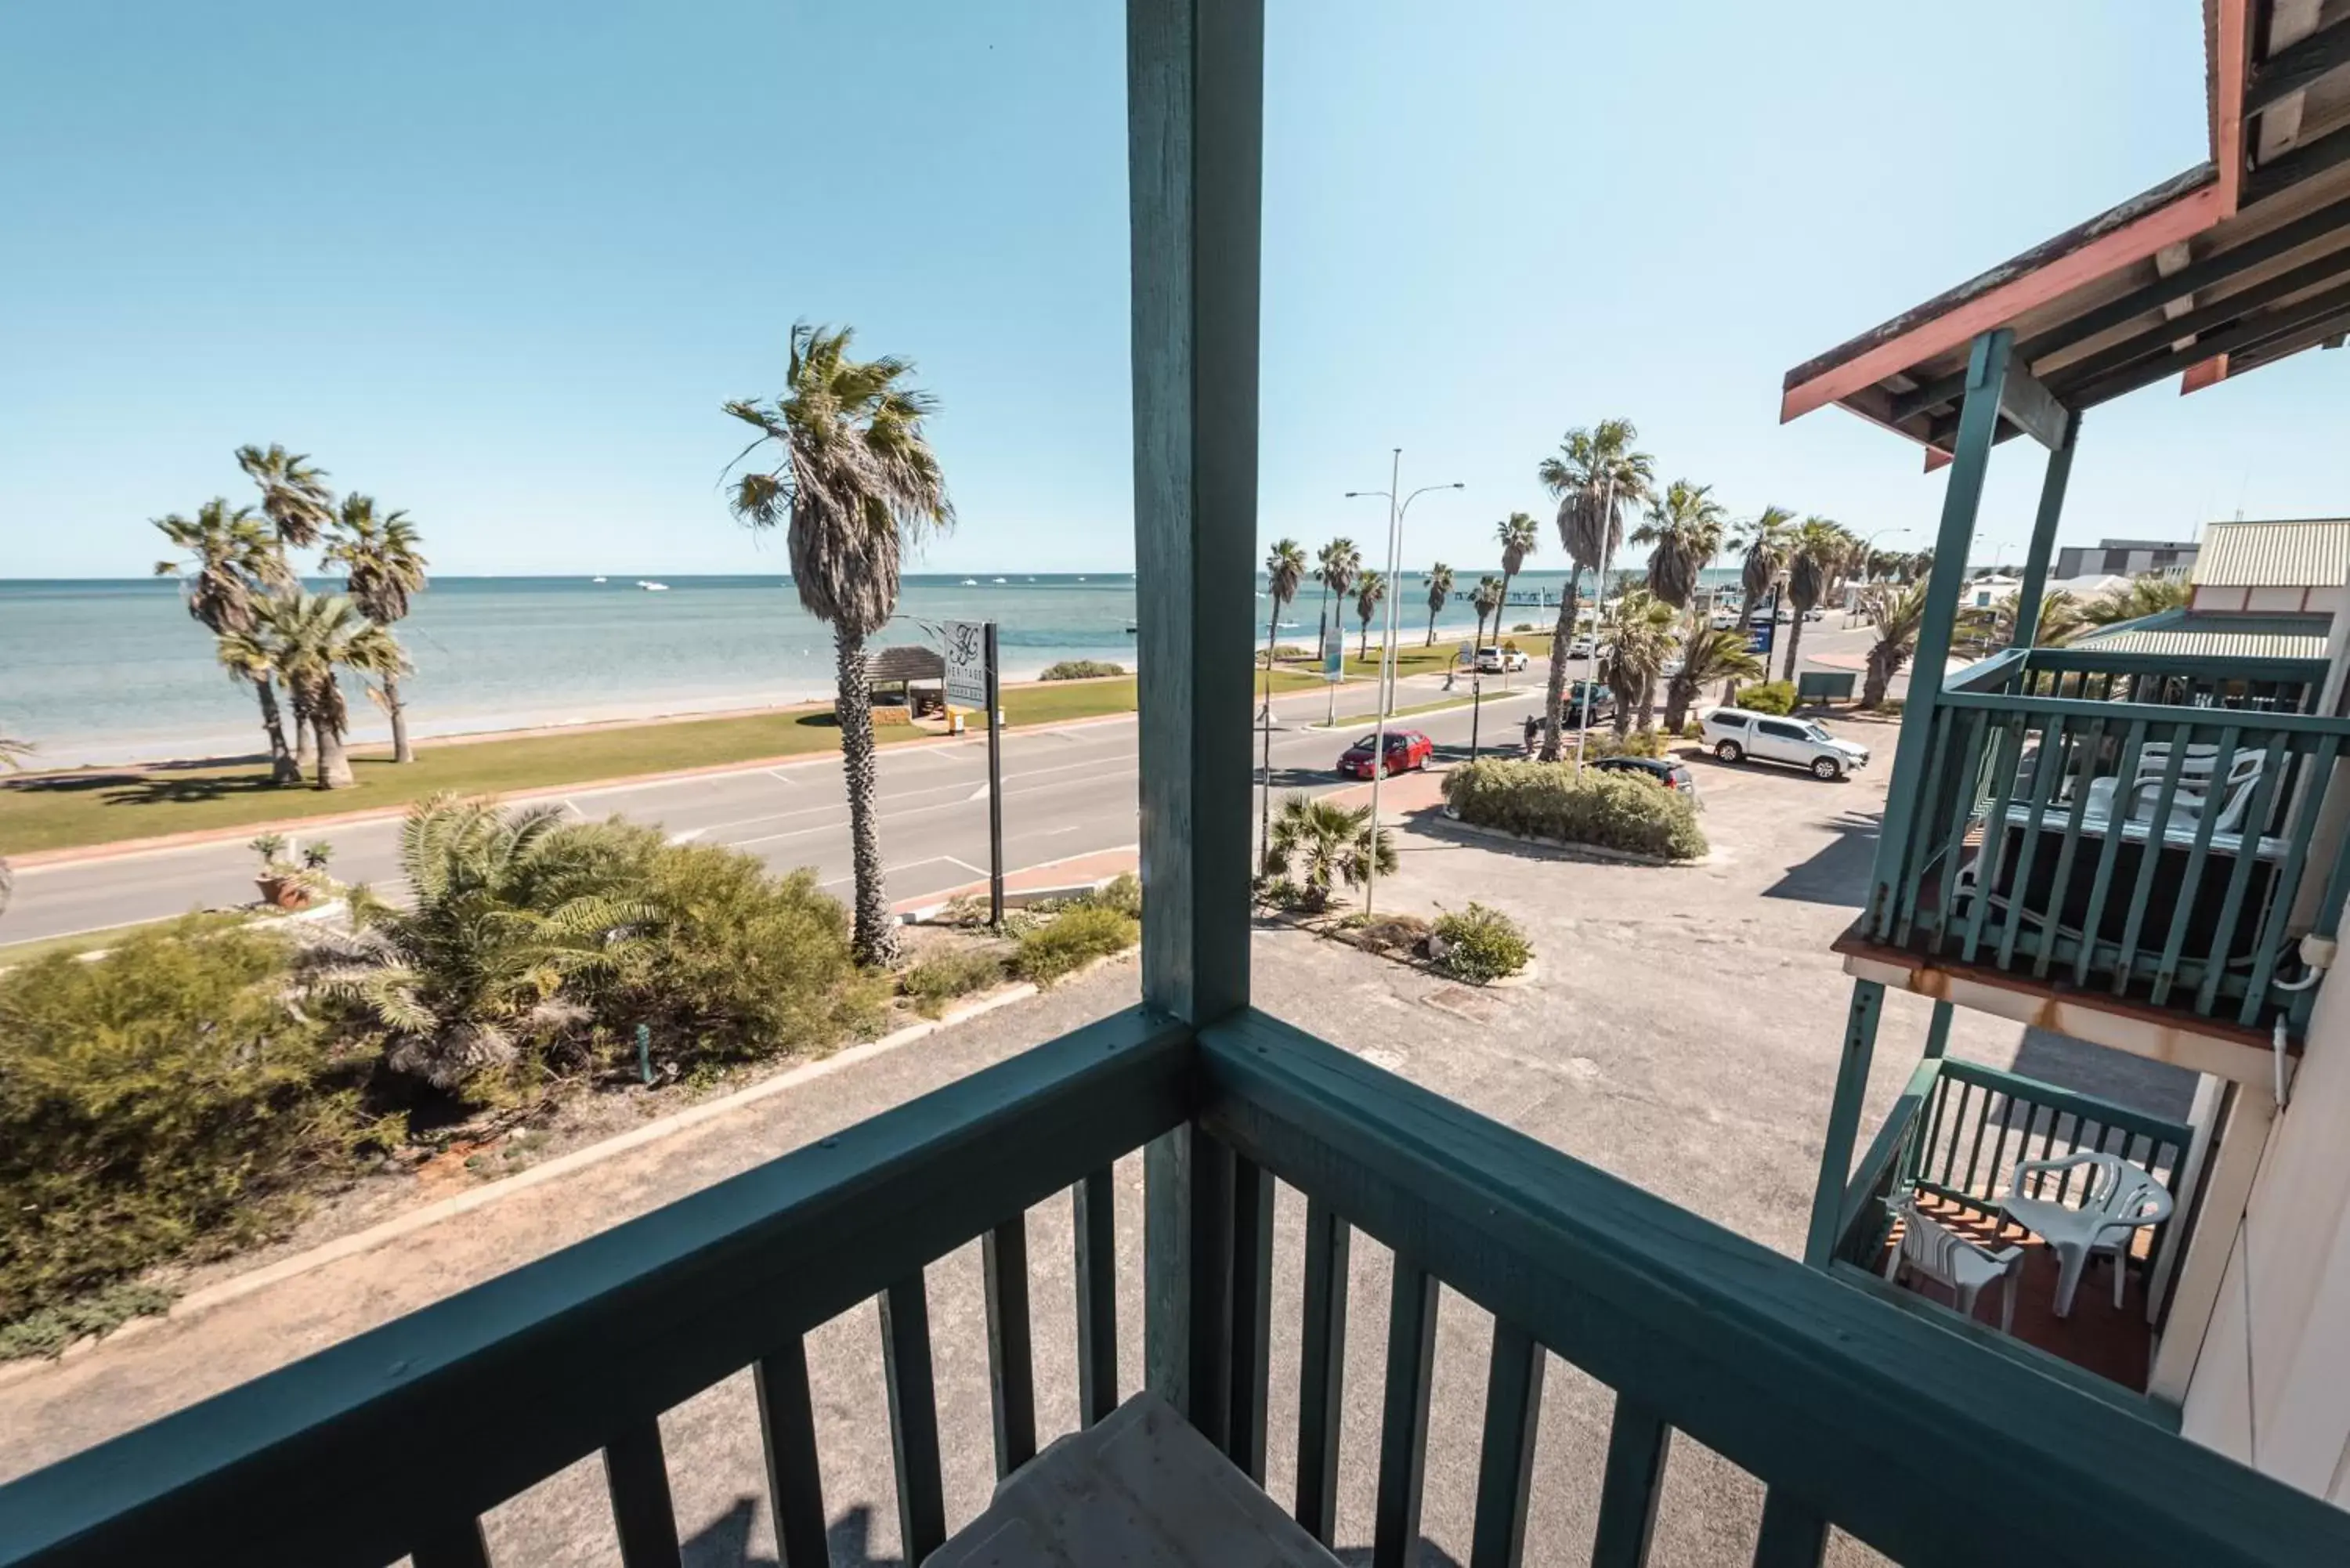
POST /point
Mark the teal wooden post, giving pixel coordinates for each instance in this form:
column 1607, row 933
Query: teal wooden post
column 1978, row 423
column 2044, row 535
column 1938, row 1032
column 1194, row 96
column 1844, row 1121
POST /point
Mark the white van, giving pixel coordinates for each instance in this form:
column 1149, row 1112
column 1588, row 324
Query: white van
column 1735, row 734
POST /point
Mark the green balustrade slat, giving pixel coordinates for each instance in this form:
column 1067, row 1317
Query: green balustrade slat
column 1505, row 1463
column 2215, row 804
column 1322, row 1369
column 453, row 1546
column 1794, row 1534
column 1093, row 1210
column 787, row 1434
column 1251, row 1333
column 2149, row 864
column 913, row 1418
column 636, row 1477
column 1965, row 788
column 2275, row 762
column 1403, row 1423
column 2050, row 764
column 2314, row 785
column 1899, row 920
column 2102, row 886
column 2044, row 947
column 1011, row 1347
column 1638, row 1442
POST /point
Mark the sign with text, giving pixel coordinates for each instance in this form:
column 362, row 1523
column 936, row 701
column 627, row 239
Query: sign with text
column 1334, row 653
column 966, row 657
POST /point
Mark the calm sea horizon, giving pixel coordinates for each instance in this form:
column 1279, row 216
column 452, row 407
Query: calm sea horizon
column 99, row 670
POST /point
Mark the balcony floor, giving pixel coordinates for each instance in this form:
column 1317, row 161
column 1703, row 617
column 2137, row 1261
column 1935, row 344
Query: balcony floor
column 2116, row 1345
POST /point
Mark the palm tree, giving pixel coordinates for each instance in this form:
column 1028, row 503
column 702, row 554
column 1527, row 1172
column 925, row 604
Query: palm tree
column 234, row 567
column 855, row 484
column 1369, row 590
column 1335, row 567
column 1988, row 629
column 1644, row 637
column 382, row 568
column 1595, row 476
column 294, row 496
column 1490, row 598
column 1810, row 564
column 2140, row 597
column 1710, row 654
column 1439, row 589
column 1316, row 842
column 1898, row 613
column 1765, row 546
column 515, row 911
column 1284, row 570
column 1686, row 525
column 309, row 638
column 1520, row 535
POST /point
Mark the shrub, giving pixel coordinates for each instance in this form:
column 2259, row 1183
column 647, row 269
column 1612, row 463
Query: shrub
column 1385, row 933
column 1479, row 944
column 734, row 963
column 933, row 981
column 1080, row 670
column 1316, row 843
column 1598, row 743
column 1085, row 933
column 1769, row 697
column 1545, row 800
column 1122, row 892
column 160, row 1102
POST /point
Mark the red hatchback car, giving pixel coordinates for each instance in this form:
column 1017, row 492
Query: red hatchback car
column 1407, row 750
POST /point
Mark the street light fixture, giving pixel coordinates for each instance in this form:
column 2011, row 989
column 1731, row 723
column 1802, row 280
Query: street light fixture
column 1396, row 511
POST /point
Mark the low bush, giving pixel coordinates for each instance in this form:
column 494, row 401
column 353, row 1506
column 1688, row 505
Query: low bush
column 1600, row 743
column 161, row 1101
column 942, row 977
column 1385, row 933
column 1122, row 892
column 1769, row 697
column 1075, row 937
column 1477, row 945
column 1546, row 800
column 1080, row 670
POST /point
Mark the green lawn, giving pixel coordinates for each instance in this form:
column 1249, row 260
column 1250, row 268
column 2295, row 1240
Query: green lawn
column 68, row 810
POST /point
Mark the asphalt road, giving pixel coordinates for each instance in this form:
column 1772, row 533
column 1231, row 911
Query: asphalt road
column 1067, row 791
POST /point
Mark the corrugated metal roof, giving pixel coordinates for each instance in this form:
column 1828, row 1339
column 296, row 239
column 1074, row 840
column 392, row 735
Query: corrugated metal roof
column 2181, row 634
column 2313, row 553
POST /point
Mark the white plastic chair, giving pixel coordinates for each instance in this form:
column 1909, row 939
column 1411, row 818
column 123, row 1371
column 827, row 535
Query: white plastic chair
column 2121, row 1198
column 2201, row 783
column 1932, row 1249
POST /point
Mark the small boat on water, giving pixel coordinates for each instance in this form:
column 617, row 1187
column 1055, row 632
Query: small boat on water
column 999, row 579
column 595, row 579
column 1129, row 629
column 653, row 588
column 970, row 582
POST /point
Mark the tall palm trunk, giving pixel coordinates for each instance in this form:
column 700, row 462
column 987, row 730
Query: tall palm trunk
column 283, row 768
column 306, row 752
column 402, row 751
column 1264, row 813
column 875, row 941
column 334, row 766
column 1432, row 627
column 1795, row 643
column 1554, row 694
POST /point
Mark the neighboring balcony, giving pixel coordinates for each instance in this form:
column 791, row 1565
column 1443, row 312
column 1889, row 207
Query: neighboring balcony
column 2126, row 848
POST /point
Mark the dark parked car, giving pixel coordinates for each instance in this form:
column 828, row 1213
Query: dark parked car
column 1671, row 774
column 1603, row 703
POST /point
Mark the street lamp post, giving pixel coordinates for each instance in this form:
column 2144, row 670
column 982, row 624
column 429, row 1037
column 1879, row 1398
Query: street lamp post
column 1396, row 510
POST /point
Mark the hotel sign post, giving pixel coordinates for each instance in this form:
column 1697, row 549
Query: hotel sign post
column 972, row 680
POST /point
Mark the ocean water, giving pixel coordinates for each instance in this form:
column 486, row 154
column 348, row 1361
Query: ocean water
column 114, row 670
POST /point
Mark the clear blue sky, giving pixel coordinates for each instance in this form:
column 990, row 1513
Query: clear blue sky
column 499, row 264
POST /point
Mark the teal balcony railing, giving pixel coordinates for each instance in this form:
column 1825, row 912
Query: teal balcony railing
column 1903, row 1430
column 2134, row 824
column 1959, row 1129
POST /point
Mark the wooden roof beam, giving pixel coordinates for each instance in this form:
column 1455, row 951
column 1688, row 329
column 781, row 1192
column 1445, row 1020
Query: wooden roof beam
column 2251, row 332
column 2297, row 66
column 2305, row 161
column 2332, row 267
